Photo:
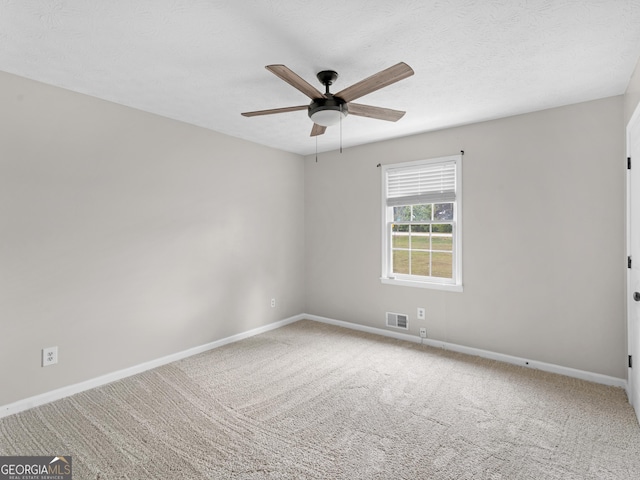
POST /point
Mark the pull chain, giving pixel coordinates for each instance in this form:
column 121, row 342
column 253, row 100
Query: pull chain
column 340, row 128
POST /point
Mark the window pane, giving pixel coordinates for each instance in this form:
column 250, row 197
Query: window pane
column 399, row 236
column 442, row 227
column 420, row 263
column 442, row 237
column 400, row 240
column 443, row 211
column 402, row 214
column 422, row 213
column 442, row 265
column 401, row 261
column 420, row 237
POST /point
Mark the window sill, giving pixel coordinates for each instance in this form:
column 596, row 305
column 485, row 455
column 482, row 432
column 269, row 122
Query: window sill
column 430, row 285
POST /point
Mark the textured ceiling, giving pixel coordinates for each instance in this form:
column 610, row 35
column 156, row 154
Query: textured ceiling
column 202, row 61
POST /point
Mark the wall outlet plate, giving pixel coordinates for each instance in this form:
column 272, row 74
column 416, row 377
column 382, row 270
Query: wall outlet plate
column 49, row 356
column 273, row 303
column 423, row 333
column 421, row 313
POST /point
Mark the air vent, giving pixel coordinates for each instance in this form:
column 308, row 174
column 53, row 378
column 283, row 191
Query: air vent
column 397, row 320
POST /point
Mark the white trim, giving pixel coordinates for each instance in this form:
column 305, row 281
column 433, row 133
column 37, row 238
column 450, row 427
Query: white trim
column 451, row 287
column 363, row 328
column 63, row 392
column 546, row 367
column 35, row 401
column 628, row 306
column 632, row 347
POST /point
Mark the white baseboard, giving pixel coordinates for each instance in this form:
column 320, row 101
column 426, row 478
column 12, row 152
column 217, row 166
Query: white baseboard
column 547, row 367
column 21, row 405
column 31, row 402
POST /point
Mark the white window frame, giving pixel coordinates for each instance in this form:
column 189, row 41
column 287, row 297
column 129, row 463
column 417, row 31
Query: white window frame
column 388, row 277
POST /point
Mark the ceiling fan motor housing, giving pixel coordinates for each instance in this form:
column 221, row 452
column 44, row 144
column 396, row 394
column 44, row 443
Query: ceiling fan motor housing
column 327, row 110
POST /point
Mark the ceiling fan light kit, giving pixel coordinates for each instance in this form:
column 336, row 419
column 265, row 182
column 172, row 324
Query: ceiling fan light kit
column 328, row 109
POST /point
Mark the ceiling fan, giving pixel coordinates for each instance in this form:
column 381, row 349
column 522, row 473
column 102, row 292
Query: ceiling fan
column 328, row 108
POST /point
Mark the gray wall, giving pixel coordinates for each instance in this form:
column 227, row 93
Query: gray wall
column 125, row 236
column 543, row 237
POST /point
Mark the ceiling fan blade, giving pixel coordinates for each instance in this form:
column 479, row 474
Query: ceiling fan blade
column 317, row 130
column 275, row 110
column 375, row 112
column 295, row 81
column 376, row 82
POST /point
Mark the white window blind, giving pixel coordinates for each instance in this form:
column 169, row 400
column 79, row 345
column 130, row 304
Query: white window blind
column 435, row 183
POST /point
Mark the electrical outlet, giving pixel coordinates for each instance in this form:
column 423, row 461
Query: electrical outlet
column 421, row 313
column 423, row 333
column 49, row 356
column 273, row 303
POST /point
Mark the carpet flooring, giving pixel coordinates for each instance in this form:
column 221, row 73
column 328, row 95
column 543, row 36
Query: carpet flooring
column 314, row 401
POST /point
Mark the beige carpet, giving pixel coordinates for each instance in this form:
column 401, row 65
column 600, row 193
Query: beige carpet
column 316, row 401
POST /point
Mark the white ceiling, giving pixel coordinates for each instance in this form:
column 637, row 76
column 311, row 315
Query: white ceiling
column 202, row 61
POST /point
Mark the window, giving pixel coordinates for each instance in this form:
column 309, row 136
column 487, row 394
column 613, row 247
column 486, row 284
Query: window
column 421, row 204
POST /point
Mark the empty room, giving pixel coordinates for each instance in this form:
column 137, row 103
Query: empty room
column 329, row 240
